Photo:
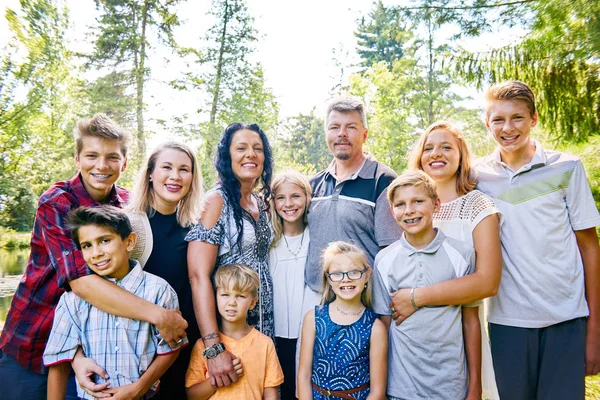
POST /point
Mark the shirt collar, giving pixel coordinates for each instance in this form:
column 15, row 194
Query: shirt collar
column 133, row 279
column 432, row 247
column 117, row 197
column 366, row 170
column 539, row 158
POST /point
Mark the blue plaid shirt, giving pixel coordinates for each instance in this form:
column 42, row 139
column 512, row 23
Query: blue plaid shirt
column 125, row 348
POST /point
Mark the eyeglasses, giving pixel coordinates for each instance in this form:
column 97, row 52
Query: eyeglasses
column 352, row 275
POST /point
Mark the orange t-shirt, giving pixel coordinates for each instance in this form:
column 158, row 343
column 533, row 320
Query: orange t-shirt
column 259, row 360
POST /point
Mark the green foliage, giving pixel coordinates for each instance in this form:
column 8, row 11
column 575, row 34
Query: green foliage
column 301, row 145
column 236, row 89
column 405, row 95
column 10, row 239
column 40, row 100
column 381, row 36
column 559, row 58
column 122, row 41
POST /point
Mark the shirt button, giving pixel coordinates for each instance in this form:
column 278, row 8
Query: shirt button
column 65, row 253
column 117, row 323
column 116, row 348
column 420, row 275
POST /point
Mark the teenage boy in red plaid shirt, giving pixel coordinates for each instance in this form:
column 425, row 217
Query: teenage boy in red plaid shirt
column 55, row 265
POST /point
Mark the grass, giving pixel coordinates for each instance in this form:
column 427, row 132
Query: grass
column 592, row 387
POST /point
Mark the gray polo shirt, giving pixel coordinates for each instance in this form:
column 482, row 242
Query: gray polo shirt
column 543, row 203
column 355, row 210
column 426, row 356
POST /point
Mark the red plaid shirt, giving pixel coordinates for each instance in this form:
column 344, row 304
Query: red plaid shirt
column 53, row 262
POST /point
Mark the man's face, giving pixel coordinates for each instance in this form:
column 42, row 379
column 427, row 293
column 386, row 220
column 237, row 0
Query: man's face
column 509, row 122
column 345, row 134
column 100, row 162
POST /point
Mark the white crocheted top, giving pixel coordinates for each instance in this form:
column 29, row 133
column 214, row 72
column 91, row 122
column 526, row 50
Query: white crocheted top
column 458, row 218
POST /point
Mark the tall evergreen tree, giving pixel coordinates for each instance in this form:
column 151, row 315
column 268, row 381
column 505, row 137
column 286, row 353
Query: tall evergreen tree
column 381, row 36
column 122, row 41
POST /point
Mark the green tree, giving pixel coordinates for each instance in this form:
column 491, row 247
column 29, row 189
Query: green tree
column 236, row 88
column 381, row 36
column 410, row 93
column 122, row 39
column 40, row 101
column 559, row 57
column 300, row 144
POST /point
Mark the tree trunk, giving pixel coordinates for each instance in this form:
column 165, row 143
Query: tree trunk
column 139, row 75
column 430, row 71
column 215, row 102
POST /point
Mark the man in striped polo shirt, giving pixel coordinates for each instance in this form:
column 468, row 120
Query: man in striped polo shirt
column 544, row 322
column 349, row 197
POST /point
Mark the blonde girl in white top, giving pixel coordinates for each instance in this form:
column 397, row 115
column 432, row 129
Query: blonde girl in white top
column 291, row 198
column 465, row 214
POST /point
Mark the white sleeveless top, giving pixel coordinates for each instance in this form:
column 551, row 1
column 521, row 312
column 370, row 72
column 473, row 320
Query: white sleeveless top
column 458, row 218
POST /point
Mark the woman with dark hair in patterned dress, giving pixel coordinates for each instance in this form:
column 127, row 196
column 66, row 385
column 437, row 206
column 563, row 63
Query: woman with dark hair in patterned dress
column 234, row 228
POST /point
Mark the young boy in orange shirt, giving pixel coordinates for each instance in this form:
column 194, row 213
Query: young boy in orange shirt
column 236, row 292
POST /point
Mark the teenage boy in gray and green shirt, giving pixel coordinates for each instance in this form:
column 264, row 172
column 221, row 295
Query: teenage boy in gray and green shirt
column 544, row 322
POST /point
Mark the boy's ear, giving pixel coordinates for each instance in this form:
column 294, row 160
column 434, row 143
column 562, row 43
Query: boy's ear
column 534, row 119
column 130, row 241
column 437, row 204
column 253, row 304
column 124, row 165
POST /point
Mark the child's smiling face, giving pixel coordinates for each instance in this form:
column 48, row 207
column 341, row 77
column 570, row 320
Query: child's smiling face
column 290, row 202
column 413, row 210
column 343, row 267
column 104, row 251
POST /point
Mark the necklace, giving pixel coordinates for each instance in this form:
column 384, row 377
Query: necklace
column 294, row 253
column 357, row 312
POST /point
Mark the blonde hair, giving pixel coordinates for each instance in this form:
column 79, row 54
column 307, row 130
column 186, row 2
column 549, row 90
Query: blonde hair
column 295, row 178
column 415, row 178
column 188, row 209
column 510, row 90
column 464, row 182
column 101, row 126
column 358, row 258
column 238, row 277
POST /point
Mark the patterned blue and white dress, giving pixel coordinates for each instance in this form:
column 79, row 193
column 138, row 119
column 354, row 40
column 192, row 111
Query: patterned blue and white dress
column 341, row 353
column 254, row 252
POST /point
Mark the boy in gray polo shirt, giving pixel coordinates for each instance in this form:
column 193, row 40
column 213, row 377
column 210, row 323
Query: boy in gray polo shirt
column 543, row 343
column 428, row 352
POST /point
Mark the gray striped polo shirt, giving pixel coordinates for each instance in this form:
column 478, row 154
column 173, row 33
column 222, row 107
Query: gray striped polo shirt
column 355, row 210
column 426, row 356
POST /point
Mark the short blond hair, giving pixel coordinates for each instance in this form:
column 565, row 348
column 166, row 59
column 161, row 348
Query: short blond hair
column 464, row 182
column 510, row 90
column 415, row 178
column 295, row 178
column 358, row 258
column 238, row 277
column 101, row 126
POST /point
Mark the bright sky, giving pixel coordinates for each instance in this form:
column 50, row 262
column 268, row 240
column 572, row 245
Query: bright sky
column 295, row 49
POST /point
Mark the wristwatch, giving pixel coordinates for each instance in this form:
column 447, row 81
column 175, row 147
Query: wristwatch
column 213, row 351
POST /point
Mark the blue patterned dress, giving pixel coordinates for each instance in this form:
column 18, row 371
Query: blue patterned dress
column 341, row 353
column 254, row 252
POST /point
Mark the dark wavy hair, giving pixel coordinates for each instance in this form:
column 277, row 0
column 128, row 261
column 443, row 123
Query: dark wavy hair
column 230, row 184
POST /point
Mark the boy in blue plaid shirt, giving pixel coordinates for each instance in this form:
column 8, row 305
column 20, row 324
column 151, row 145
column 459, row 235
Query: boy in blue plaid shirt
column 126, row 349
